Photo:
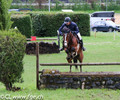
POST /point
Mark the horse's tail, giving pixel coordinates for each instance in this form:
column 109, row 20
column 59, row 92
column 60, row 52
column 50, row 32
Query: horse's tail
column 75, row 61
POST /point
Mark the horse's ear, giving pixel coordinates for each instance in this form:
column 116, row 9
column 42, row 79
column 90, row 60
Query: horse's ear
column 65, row 30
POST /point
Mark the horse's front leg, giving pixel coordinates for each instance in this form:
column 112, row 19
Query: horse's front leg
column 70, row 67
column 69, row 61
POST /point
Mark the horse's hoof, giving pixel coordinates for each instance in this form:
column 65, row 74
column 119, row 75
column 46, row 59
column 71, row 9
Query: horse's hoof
column 68, row 58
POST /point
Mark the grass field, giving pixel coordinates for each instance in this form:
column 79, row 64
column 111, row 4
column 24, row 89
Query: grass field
column 103, row 48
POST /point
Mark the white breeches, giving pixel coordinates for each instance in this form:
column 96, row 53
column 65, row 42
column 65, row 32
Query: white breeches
column 79, row 36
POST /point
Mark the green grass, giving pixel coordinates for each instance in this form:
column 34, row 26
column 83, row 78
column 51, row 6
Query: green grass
column 103, row 48
column 79, row 11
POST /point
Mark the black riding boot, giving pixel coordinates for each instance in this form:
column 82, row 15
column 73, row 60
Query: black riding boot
column 81, row 43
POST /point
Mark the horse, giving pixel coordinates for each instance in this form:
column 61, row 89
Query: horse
column 72, row 48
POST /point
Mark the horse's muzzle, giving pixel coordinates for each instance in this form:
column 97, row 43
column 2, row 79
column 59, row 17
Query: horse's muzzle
column 73, row 49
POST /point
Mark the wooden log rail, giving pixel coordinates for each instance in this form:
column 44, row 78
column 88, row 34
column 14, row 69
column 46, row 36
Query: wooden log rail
column 91, row 74
column 83, row 64
column 29, row 39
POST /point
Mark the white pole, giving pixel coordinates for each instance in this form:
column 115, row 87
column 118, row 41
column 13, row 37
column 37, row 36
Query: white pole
column 115, row 2
column 49, row 5
column 100, row 3
column 106, row 5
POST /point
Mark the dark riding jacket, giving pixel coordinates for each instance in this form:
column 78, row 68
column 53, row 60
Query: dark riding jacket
column 73, row 27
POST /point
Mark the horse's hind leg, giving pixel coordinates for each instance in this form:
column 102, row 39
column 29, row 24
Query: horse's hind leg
column 70, row 67
column 80, row 68
column 70, row 61
column 80, row 60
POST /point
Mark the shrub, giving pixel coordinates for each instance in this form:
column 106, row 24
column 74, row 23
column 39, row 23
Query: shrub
column 113, row 6
column 47, row 24
column 23, row 23
column 86, row 6
column 12, row 48
column 5, row 17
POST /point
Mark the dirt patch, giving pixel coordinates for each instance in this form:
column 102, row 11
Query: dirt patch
column 44, row 48
column 117, row 18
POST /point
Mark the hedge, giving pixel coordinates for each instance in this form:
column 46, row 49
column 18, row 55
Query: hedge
column 23, row 23
column 12, row 50
column 47, row 24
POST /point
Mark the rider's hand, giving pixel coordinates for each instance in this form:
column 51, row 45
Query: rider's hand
column 73, row 32
column 61, row 34
column 65, row 30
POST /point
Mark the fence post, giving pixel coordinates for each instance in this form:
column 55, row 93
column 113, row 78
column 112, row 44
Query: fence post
column 58, row 38
column 37, row 65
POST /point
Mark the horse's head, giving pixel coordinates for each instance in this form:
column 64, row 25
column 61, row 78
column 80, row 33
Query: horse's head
column 66, row 37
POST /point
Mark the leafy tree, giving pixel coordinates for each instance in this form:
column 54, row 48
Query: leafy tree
column 40, row 2
column 5, row 16
column 12, row 50
column 17, row 1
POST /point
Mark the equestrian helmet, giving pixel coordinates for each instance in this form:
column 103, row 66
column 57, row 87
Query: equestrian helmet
column 67, row 19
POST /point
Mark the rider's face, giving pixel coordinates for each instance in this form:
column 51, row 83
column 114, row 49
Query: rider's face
column 68, row 23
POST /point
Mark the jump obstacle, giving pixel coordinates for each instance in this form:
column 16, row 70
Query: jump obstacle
column 33, row 38
column 84, row 80
column 44, row 47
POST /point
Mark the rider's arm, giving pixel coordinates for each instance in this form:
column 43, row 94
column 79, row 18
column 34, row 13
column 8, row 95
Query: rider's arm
column 60, row 29
column 76, row 29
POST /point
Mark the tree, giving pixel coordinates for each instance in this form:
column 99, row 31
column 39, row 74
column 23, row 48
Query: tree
column 12, row 49
column 17, row 1
column 91, row 1
column 5, row 17
column 40, row 2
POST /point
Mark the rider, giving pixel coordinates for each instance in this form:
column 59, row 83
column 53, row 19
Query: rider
column 74, row 29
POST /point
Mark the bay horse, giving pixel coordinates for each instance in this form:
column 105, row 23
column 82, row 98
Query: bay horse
column 73, row 49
